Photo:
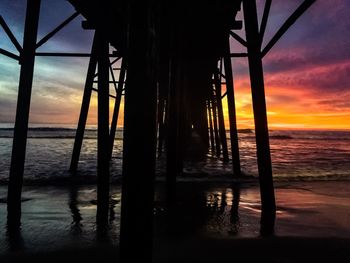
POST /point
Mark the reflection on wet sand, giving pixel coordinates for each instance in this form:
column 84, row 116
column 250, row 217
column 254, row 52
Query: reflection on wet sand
column 14, row 240
column 199, row 210
column 66, row 217
column 111, row 212
column 224, row 204
column 234, row 215
column 102, row 231
column 73, row 206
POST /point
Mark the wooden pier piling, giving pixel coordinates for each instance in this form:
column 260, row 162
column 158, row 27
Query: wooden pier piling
column 119, row 92
column 27, row 61
column 139, row 155
column 222, row 130
column 211, row 130
column 216, row 129
column 173, row 158
column 103, row 145
column 268, row 206
column 231, row 105
column 85, row 104
column 161, row 124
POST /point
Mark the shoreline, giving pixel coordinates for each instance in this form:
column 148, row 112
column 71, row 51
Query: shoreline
column 310, row 215
column 198, row 178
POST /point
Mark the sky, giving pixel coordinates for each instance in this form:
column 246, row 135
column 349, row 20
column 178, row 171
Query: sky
column 307, row 73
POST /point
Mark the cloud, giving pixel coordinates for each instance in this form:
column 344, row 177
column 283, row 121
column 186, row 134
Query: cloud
column 303, row 58
column 306, row 74
column 322, row 79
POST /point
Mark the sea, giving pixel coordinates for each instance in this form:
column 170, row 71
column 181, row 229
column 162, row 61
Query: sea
column 309, row 167
column 297, row 155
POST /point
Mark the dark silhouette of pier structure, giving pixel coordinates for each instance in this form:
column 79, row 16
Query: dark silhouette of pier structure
column 176, row 58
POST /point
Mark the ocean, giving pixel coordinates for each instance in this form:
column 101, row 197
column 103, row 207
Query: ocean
column 296, row 155
column 309, row 169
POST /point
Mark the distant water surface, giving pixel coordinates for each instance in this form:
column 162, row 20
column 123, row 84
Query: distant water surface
column 296, row 155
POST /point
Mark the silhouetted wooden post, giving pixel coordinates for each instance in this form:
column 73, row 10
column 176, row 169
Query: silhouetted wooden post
column 221, row 120
column 201, row 122
column 140, row 138
column 216, row 132
column 211, row 131
column 160, row 120
column 90, row 75
column 232, row 113
column 118, row 98
column 173, row 137
column 103, row 129
column 163, row 75
column 22, row 115
column 268, row 205
column 163, row 130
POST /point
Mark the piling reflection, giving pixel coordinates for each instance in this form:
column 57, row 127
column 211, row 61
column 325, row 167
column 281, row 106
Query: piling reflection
column 73, row 206
column 14, row 240
column 223, row 203
column 104, row 234
column 112, row 210
column 224, row 210
column 234, row 213
column 201, row 210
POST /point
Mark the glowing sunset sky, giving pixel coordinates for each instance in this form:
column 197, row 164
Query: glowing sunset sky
column 307, row 74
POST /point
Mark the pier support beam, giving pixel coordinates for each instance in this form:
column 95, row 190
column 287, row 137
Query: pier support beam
column 161, row 124
column 103, row 130
column 22, row 114
column 118, row 99
column 268, row 205
column 84, row 108
column 236, row 164
column 172, row 141
column 175, row 128
column 221, row 120
column 140, row 137
column 216, row 133
column 199, row 120
column 211, row 131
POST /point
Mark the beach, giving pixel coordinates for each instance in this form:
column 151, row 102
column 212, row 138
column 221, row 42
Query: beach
column 216, row 217
column 210, row 220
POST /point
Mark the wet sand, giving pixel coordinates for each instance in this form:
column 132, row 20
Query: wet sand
column 212, row 222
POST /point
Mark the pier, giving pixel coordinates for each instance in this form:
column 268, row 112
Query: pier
column 176, row 70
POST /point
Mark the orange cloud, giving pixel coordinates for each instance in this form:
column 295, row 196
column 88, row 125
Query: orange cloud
column 312, row 98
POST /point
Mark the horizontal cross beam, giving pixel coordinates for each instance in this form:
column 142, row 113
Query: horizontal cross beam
column 238, row 55
column 63, row 54
column 110, row 95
